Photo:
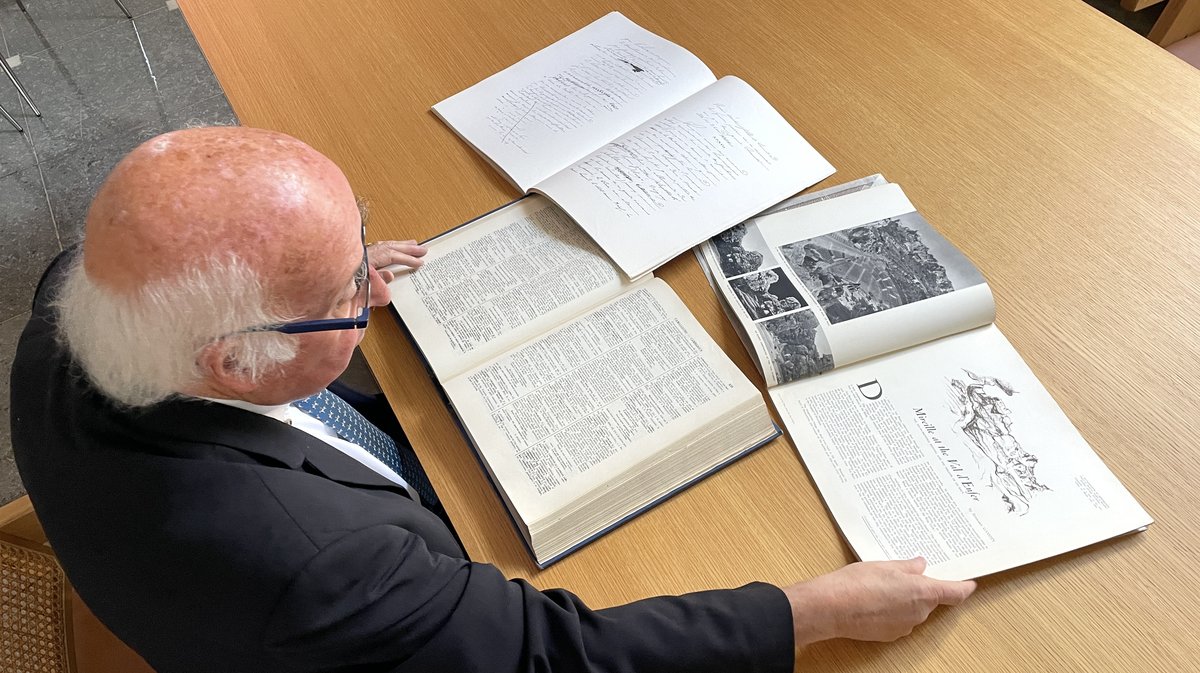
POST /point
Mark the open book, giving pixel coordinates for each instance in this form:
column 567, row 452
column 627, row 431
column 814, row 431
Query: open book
column 588, row 398
column 925, row 431
column 636, row 139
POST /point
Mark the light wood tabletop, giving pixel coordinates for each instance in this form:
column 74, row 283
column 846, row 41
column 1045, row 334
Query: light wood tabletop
column 1060, row 151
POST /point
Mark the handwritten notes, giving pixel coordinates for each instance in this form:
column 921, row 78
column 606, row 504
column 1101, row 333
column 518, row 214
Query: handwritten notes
column 674, row 159
column 605, row 79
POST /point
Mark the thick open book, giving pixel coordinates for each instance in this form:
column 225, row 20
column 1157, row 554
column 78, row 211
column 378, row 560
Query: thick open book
column 588, row 398
column 925, row 431
column 636, row 138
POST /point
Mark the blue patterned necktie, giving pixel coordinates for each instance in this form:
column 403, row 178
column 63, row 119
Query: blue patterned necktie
column 352, row 426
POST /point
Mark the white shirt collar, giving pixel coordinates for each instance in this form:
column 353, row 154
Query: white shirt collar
column 276, row 411
column 286, row 413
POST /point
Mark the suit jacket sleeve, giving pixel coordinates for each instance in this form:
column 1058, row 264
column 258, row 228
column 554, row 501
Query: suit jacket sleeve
column 378, row 598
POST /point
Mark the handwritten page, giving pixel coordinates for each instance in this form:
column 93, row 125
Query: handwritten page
column 554, row 107
column 694, row 170
column 671, row 160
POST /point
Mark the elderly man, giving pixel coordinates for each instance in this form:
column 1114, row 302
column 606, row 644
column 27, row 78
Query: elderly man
column 220, row 511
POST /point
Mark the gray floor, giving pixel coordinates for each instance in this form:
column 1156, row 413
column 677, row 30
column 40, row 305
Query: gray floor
column 104, row 84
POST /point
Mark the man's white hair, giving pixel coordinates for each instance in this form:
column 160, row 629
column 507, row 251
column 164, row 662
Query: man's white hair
column 142, row 349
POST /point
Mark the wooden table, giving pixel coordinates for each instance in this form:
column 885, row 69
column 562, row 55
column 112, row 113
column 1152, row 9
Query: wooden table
column 1060, row 151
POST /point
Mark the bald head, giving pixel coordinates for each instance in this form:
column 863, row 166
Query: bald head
column 262, row 196
column 195, row 238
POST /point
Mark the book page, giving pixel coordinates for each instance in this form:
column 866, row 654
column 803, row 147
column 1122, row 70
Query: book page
column 842, row 280
column 499, row 281
column 697, row 169
column 542, row 114
column 740, row 249
column 954, row 451
column 833, row 192
column 569, row 412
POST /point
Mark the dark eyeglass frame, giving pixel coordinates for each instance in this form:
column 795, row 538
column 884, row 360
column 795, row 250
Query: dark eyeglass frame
column 362, row 289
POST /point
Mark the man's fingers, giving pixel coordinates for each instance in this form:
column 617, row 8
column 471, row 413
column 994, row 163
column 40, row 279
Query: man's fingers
column 391, row 253
column 406, row 260
column 953, row 593
column 408, row 247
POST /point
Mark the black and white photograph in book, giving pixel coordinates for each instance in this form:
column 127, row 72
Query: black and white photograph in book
column 742, row 249
column 796, row 346
column 879, row 266
column 767, row 293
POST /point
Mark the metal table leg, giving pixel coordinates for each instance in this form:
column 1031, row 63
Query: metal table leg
column 10, row 119
column 17, row 83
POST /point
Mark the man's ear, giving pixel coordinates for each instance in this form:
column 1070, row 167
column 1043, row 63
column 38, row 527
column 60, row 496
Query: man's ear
column 221, row 371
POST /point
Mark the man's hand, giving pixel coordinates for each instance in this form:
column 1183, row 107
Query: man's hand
column 879, row 600
column 394, row 253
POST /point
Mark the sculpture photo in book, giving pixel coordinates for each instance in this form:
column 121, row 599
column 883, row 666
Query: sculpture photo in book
column 767, row 293
column 797, row 345
column 742, row 250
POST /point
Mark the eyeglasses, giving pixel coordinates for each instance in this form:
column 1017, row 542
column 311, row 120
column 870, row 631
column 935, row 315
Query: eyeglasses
column 360, row 308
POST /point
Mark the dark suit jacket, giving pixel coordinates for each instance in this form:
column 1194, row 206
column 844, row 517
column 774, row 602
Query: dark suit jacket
column 214, row 539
